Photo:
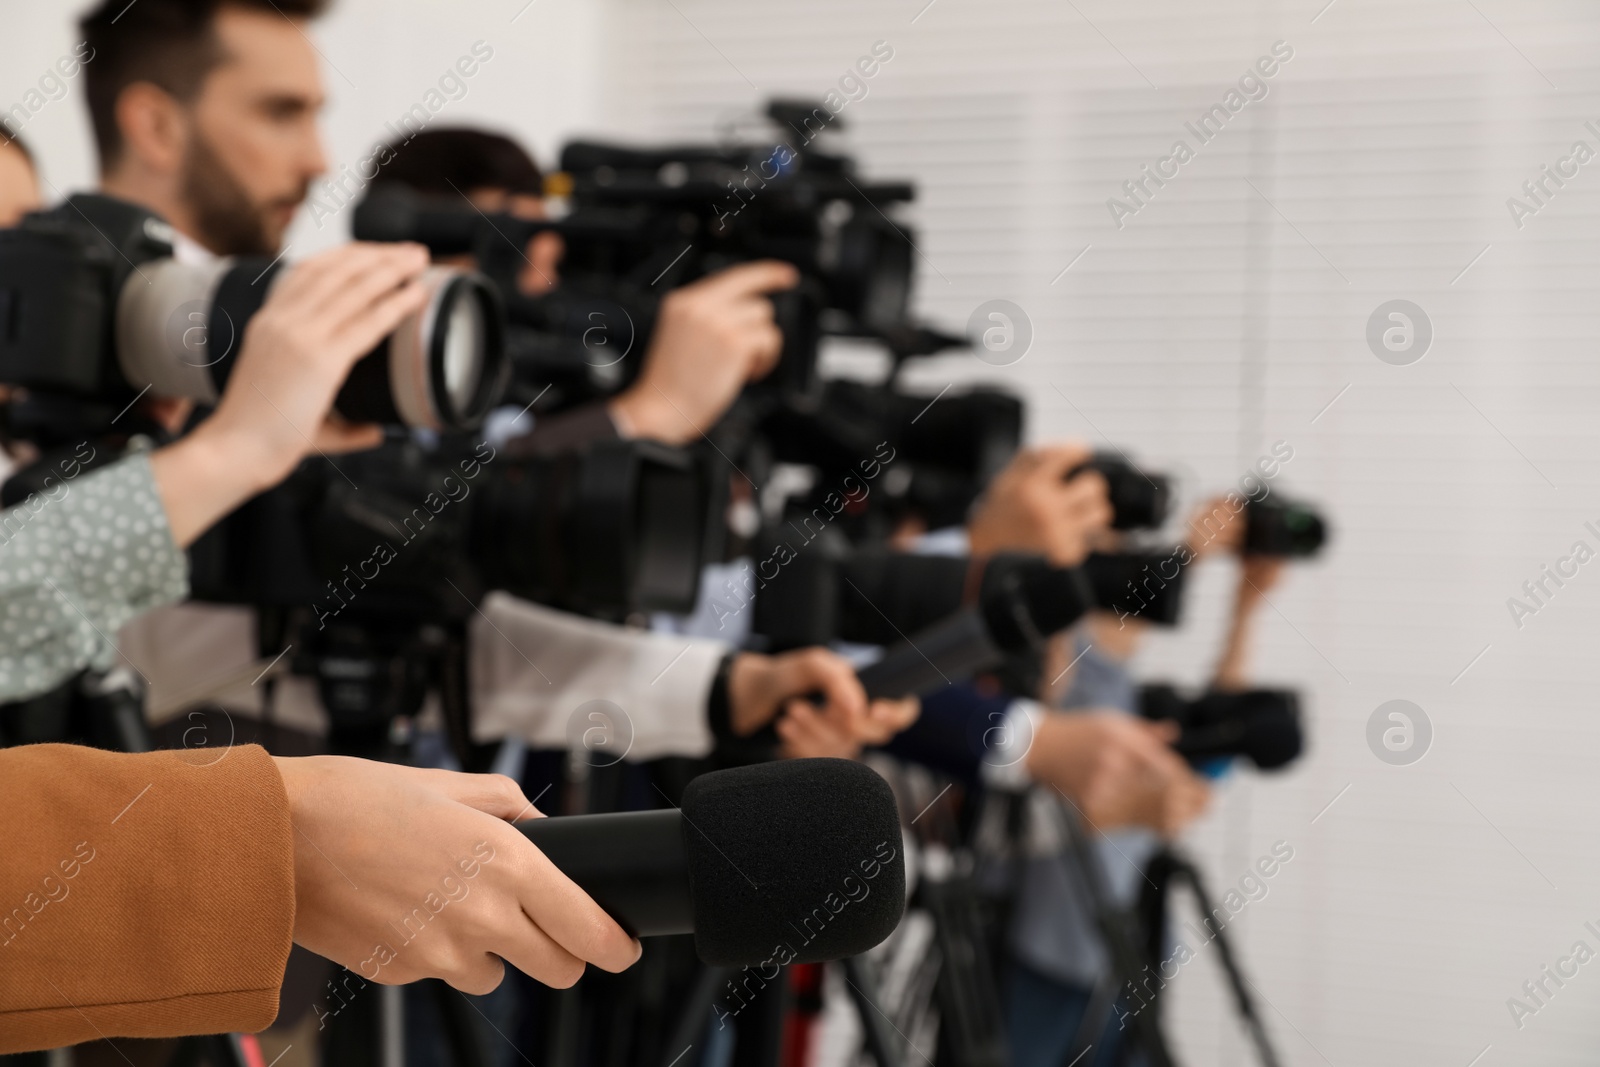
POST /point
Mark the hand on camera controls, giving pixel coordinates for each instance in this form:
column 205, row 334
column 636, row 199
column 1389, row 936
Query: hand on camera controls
column 808, row 732
column 321, row 318
column 711, row 339
column 1031, row 506
column 404, row 873
column 1117, row 770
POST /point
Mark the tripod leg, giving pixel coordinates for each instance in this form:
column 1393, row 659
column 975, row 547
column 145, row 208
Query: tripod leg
column 1096, row 1014
column 1241, row 996
column 883, row 1044
column 696, row 1014
column 391, row 1026
column 1121, row 946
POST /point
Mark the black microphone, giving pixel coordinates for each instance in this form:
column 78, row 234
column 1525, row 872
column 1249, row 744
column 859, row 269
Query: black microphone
column 798, row 861
column 1023, row 600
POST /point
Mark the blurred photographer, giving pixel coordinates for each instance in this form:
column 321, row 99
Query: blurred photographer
column 714, row 336
column 86, row 555
column 1058, row 956
column 206, row 113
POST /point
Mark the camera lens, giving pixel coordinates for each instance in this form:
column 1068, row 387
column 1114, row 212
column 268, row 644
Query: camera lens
column 463, row 353
column 180, row 326
column 441, row 368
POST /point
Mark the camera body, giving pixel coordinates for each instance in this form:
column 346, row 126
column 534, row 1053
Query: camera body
column 1140, row 500
column 1288, row 528
column 95, row 310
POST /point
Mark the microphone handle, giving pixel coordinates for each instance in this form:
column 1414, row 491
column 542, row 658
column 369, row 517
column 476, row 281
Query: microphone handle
column 946, row 652
column 633, row 863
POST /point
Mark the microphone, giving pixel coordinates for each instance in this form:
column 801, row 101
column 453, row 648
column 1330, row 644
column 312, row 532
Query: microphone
column 1023, row 600
column 797, row 861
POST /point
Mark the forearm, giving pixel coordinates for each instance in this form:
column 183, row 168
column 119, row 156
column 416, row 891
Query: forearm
column 75, row 565
column 1232, row 663
column 533, row 668
column 207, row 474
column 108, row 868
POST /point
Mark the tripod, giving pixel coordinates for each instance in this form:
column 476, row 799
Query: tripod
column 1123, row 932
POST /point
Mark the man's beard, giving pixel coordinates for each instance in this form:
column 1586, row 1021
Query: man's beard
column 229, row 223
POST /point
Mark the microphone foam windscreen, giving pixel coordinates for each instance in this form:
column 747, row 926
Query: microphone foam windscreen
column 798, row 861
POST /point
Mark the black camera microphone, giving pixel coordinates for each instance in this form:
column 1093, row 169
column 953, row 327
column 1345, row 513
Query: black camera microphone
column 1023, row 601
column 797, row 861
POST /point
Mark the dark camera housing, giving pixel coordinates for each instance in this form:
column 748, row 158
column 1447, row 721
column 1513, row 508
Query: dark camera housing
column 94, row 307
column 1144, row 585
column 1286, row 528
column 1140, row 500
column 1262, row 725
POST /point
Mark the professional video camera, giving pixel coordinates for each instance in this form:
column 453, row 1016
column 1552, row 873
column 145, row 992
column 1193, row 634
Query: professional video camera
column 1143, row 583
column 1260, row 724
column 373, row 586
column 643, row 221
column 1277, row 527
column 94, row 310
column 1139, row 500
column 945, row 450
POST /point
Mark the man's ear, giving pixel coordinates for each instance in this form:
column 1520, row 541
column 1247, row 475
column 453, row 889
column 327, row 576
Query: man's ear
column 154, row 127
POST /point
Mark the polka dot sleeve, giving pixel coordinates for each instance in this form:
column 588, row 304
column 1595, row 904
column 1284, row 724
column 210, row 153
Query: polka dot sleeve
column 76, row 562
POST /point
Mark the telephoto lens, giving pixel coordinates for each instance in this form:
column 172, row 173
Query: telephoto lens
column 96, row 308
column 1277, row 527
column 441, row 368
column 1139, row 500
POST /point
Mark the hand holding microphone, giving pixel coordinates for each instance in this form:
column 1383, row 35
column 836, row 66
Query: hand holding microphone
column 798, row 861
column 404, row 873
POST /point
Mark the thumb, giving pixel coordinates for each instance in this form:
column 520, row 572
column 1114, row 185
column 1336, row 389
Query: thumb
column 1164, row 730
column 335, row 436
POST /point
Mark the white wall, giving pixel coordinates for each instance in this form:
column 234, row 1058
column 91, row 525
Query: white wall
column 1207, row 328
column 1212, row 325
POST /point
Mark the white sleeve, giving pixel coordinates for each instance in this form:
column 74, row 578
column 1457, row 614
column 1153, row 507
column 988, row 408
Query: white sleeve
column 1004, row 764
column 534, row 670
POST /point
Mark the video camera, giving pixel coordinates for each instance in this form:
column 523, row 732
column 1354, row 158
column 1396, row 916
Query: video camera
column 95, row 310
column 644, row 221
column 367, row 584
column 1260, row 724
column 1140, row 500
column 1277, row 527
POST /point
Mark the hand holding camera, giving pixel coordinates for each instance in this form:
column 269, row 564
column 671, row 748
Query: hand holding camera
column 1032, row 506
column 297, row 352
column 713, row 337
column 1118, row 771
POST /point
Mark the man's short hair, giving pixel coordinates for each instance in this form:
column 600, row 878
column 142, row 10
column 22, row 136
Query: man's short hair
column 168, row 43
column 460, row 159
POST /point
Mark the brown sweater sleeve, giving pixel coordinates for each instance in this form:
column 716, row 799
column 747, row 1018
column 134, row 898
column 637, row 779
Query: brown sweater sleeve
column 146, row 895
